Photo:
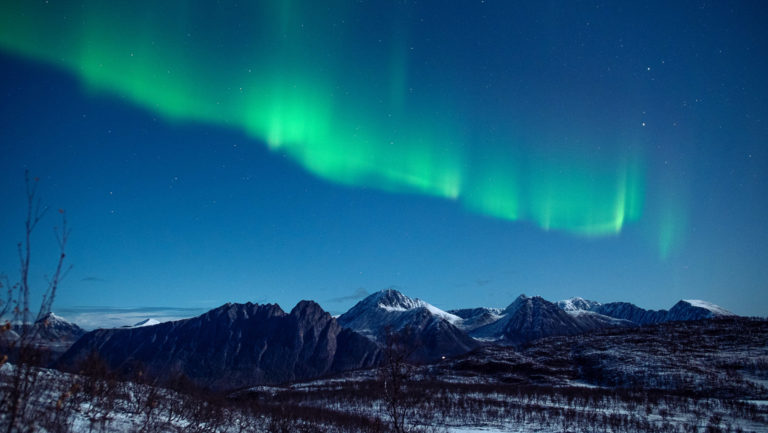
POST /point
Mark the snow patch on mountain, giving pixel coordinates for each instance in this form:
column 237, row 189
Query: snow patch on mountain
column 715, row 309
column 146, row 322
column 397, row 302
column 694, row 309
column 390, row 309
column 443, row 314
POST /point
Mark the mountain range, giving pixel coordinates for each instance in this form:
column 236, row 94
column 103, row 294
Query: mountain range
column 240, row 345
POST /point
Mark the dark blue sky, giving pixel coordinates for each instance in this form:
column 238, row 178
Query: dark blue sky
column 184, row 209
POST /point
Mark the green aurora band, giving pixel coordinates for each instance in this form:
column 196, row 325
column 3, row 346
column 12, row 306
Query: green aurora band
column 348, row 107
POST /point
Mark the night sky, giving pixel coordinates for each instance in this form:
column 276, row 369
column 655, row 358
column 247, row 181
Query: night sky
column 463, row 152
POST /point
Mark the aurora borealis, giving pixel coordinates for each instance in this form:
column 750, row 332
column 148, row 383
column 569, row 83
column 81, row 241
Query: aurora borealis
column 291, row 80
column 558, row 119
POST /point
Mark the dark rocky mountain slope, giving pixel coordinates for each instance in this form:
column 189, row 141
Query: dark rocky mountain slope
column 235, row 345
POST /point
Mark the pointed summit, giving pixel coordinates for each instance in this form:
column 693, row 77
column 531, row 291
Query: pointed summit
column 53, row 328
column 51, row 318
column 534, row 318
column 511, row 308
column 391, row 299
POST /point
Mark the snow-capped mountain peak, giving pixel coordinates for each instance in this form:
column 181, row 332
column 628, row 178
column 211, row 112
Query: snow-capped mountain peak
column 54, row 328
column 577, row 304
column 51, row 319
column 393, row 301
column 390, row 312
column 390, row 299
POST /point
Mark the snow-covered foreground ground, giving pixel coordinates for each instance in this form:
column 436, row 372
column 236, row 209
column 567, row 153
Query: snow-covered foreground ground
column 706, row 376
column 473, row 430
column 61, row 403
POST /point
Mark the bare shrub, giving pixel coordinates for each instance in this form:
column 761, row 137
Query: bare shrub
column 18, row 336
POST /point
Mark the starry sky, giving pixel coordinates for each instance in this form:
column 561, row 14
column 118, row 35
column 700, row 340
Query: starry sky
column 463, row 152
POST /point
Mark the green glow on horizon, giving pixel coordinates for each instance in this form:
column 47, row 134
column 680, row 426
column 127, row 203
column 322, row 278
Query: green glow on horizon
column 290, row 80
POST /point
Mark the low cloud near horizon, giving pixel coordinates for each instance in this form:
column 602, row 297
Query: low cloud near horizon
column 90, row 318
column 358, row 294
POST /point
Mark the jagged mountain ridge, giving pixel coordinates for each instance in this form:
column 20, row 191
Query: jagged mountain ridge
column 530, row 318
column 232, row 346
column 686, row 309
column 459, row 331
